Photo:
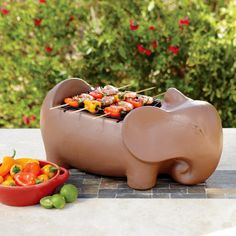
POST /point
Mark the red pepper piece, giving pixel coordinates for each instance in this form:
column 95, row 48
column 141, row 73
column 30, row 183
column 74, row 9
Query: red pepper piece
column 135, row 102
column 113, row 111
column 71, row 102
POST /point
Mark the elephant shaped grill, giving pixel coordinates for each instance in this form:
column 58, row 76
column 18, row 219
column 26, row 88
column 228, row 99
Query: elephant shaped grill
column 182, row 138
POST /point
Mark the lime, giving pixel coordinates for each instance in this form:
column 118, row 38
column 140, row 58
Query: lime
column 69, row 192
column 58, row 201
column 46, row 202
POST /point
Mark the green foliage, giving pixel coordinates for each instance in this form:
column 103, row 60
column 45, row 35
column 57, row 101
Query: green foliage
column 93, row 40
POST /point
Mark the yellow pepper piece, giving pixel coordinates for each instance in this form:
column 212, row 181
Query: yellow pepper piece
column 92, row 106
column 15, row 169
column 9, row 183
column 41, row 179
column 24, row 160
column 117, row 99
column 8, row 177
column 49, row 170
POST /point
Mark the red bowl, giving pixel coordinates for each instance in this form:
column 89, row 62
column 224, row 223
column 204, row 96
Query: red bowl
column 31, row 195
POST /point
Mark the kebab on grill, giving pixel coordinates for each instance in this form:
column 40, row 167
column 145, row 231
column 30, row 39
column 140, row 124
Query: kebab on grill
column 109, row 101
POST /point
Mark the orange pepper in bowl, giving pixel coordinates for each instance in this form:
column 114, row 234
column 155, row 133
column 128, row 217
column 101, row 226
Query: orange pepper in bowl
column 7, row 163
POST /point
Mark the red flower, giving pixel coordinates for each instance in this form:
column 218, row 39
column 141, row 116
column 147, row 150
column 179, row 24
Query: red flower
column 32, row 118
column 37, row 22
column 184, row 21
column 154, row 44
column 71, row 18
column 48, row 49
column 148, row 52
column 42, row 1
column 174, row 49
column 133, row 25
column 152, row 27
column 4, row 11
column 26, row 120
column 141, row 49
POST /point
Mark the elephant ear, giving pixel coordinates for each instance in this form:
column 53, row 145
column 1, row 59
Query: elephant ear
column 147, row 133
column 68, row 88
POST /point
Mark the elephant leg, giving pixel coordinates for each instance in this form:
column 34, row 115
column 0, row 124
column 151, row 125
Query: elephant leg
column 142, row 177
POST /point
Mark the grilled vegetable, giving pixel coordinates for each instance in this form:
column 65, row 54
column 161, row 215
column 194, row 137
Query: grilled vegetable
column 113, row 111
column 107, row 100
column 71, row 102
column 96, row 95
column 146, row 100
column 126, row 106
column 135, row 102
column 92, row 106
column 110, row 90
column 129, row 94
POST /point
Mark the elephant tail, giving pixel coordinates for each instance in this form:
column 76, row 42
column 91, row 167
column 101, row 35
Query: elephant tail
column 181, row 170
column 187, row 171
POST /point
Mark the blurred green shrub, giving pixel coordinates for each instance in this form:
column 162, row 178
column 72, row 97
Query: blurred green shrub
column 189, row 45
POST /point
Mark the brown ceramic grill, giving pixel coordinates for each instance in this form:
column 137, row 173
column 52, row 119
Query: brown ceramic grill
column 182, row 138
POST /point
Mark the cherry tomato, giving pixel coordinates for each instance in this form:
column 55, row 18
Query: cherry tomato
column 32, row 168
column 24, row 178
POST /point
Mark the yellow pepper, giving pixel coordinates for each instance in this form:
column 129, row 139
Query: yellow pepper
column 24, row 160
column 15, row 169
column 9, row 182
column 116, row 97
column 41, row 179
column 92, row 106
column 49, row 170
column 8, row 177
column 7, row 163
column 1, row 179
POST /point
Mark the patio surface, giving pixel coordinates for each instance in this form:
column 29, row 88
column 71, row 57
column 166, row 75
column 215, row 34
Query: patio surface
column 222, row 184
column 107, row 206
